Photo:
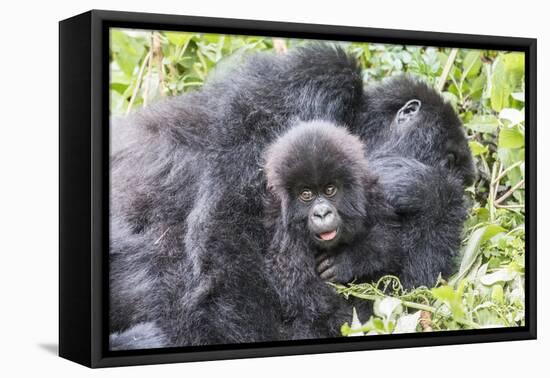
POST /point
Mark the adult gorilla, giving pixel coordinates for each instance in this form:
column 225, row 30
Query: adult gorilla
column 187, row 238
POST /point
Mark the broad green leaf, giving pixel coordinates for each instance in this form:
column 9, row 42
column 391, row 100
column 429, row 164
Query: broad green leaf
column 477, row 86
column 471, row 64
column 387, row 307
column 444, row 293
column 519, row 96
column 501, row 275
column 483, row 124
column 452, row 298
column 407, row 323
column 510, row 156
column 508, row 73
column 473, row 249
column 497, row 295
column 511, row 137
column 177, row 38
column 513, row 116
column 477, row 148
column 379, row 325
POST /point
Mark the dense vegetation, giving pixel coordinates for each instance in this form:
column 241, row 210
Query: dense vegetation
column 487, row 90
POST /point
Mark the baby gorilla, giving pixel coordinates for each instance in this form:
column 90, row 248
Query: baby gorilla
column 323, row 202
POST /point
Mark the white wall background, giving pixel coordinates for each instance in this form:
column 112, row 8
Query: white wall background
column 29, row 189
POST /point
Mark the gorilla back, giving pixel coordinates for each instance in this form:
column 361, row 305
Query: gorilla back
column 187, row 189
column 187, row 238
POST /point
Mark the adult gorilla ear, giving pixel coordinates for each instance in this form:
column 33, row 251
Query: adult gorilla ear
column 408, row 111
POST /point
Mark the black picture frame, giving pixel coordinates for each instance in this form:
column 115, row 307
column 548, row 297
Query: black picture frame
column 84, row 191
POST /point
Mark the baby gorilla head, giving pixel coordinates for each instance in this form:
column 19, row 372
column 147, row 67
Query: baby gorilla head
column 317, row 171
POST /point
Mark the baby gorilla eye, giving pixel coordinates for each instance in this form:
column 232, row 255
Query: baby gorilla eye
column 330, row 190
column 306, row 195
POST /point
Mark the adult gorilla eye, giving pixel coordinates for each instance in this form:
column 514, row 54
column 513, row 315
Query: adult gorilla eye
column 330, row 190
column 306, row 195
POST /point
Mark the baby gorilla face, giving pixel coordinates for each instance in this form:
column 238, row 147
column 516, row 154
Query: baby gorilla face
column 317, row 171
column 320, row 202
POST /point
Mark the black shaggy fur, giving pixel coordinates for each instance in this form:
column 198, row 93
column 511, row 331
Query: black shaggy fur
column 313, row 155
column 431, row 209
column 427, row 188
column 187, row 236
column 434, row 135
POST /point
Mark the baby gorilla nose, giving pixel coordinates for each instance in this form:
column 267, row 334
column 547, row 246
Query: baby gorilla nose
column 324, row 222
column 323, row 213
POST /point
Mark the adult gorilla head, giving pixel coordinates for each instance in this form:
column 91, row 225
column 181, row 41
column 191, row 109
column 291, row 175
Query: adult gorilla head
column 318, row 172
column 406, row 117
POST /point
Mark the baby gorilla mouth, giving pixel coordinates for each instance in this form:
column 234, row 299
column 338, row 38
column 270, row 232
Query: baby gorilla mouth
column 327, row 236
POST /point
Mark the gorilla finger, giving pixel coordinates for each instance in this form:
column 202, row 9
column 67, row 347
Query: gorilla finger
column 328, row 275
column 322, row 257
column 324, row 265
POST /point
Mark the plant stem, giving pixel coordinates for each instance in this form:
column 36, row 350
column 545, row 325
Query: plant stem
column 417, row 306
column 149, row 72
column 138, row 81
column 446, row 69
column 492, row 192
column 505, row 172
column 509, row 192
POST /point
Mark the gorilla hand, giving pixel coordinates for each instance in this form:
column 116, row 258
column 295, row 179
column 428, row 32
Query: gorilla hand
column 333, row 267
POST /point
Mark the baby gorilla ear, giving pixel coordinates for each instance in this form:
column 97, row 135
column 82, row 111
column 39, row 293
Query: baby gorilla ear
column 408, row 111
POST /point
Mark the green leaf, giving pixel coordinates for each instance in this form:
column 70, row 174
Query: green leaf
column 473, row 248
column 407, row 323
column 379, row 325
column 478, row 148
column 178, row 38
column 345, row 329
column 519, row 96
column 386, row 307
column 513, row 116
column 508, row 74
column 497, row 295
column 511, row 137
column 483, row 124
column 452, row 298
column 471, row 64
column 444, row 293
column 501, row 275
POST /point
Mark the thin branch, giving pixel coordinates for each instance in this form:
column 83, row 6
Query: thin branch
column 414, row 305
column 510, row 192
column 507, row 170
column 492, row 192
column 446, row 69
column 138, row 81
column 149, row 73
column 158, row 57
column 520, row 206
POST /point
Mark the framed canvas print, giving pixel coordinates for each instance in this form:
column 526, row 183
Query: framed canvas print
column 233, row 188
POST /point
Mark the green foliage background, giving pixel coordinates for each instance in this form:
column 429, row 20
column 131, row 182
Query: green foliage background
column 487, row 90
